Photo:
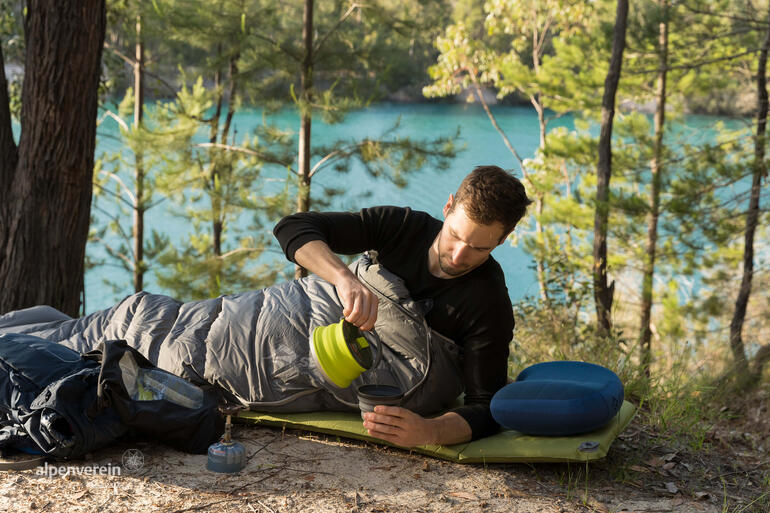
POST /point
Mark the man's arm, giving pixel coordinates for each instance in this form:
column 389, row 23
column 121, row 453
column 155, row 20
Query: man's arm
column 311, row 239
column 359, row 303
column 408, row 429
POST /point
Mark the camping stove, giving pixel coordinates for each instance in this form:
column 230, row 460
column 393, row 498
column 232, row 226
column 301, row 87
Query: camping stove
column 227, row 456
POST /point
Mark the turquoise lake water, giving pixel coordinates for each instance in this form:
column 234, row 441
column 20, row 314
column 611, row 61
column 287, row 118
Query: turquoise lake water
column 427, row 190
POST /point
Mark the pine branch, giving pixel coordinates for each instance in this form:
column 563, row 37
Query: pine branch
column 262, row 156
column 279, row 46
column 694, row 66
column 114, row 195
column 132, row 62
column 322, row 40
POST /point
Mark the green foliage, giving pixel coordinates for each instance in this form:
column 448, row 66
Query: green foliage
column 390, row 156
column 212, row 187
column 117, row 198
column 12, row 31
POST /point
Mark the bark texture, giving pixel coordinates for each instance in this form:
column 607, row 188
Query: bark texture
column 139, row 174
column 44, row 215
column 603, row 292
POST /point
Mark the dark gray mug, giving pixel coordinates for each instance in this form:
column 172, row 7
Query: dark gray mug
column 370, row 396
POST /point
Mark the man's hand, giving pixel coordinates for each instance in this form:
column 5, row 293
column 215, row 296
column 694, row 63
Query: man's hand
column 399, row 426
column 358, row 302
column 408, row 429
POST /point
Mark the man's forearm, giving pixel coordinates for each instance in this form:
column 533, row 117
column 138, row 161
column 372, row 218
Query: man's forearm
column 358, row 302
column 450, row 428
column 319, row 259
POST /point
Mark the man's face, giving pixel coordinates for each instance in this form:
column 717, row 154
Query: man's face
column 464, row 244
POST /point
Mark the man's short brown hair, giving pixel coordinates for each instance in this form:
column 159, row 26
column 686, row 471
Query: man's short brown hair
column 489, row 194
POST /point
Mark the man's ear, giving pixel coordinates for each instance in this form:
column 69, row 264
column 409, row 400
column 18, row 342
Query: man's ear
column 448, row 205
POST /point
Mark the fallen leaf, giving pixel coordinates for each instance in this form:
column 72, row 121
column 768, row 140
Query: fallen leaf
column 80, row 495
column 671, row 488
column 670, row 456
column 637, row 468
column 702, row 495
column 512, row 492
column 425, row 467
column 464, row 495
column 669, row 465
column 310, row 477
column 655, row 461
column 687, row 466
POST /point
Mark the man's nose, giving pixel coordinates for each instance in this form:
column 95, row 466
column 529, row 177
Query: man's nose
column 460, row 253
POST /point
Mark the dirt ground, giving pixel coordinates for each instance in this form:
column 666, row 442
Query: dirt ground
column 292, row 471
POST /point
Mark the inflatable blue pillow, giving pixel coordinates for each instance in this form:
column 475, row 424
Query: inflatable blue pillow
column 559, row 399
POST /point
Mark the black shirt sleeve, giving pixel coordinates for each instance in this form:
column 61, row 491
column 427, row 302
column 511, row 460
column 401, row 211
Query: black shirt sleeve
column 485, row 363
column 346, row 233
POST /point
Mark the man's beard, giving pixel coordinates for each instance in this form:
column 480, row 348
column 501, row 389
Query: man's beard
column 447, row 268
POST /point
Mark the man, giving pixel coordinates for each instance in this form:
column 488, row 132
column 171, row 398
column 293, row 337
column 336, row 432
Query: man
column 449, row 263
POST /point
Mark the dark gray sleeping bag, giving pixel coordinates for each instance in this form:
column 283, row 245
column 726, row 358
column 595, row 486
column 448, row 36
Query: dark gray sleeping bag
column 255, row 345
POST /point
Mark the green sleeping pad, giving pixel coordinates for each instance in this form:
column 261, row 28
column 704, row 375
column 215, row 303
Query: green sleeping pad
column 505, row 446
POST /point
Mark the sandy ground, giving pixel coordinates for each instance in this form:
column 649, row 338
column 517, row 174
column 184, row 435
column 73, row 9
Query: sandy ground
column 293, row 471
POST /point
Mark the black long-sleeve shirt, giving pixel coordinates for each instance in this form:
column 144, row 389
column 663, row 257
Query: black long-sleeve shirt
column 474, row 309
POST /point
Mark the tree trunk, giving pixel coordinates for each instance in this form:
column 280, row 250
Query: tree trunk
column 45, row 209
column 306, row 84
column 542, row 281
column 139, row 176
column 752, row 219
column 645, row 335
column 216, row 224
column 602, row 292
column 217, row 166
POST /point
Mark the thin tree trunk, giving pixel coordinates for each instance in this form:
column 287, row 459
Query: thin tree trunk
column 213, row 174
column 46, row 205
column 139, row 176
column 540, row 266
column 306, row 84
column 539, row 201
column 231, row 98
column 752, row 219
column 656, row 168
column 218, row 167
column 602, row 291
column 539, row 260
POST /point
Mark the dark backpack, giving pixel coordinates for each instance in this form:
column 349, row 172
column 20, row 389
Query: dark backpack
column 60, row 403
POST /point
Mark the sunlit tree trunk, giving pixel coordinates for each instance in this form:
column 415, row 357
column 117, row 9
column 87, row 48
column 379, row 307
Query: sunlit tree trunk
column 306, row 119
column 656, row 168
column 139, row 172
